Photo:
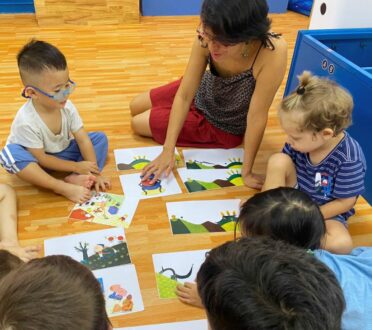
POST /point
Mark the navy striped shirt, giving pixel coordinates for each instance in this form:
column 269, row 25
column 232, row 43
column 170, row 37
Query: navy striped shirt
column 339, row 175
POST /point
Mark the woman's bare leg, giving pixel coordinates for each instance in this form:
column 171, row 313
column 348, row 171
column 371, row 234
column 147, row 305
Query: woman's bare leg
column 140, row 103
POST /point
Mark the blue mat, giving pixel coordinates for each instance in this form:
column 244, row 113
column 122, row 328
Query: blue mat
column 301, row 6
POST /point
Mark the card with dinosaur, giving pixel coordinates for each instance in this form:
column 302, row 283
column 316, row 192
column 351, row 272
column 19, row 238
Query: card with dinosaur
column 186, row 325
column 138, row 158
column 210, row 159
column 176, row 268
column 207, row 216
column 121, row 290
column 133, row 186
column 199, row 180
column 107, row 209
column 96, row 249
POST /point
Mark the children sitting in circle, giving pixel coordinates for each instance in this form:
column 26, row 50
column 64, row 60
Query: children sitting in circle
column 320, row 173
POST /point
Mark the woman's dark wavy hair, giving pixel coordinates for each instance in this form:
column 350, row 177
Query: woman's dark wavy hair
column 285, row 214
column 235, row 21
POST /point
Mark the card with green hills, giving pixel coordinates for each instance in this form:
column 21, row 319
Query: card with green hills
column 209, row 159
column 203, row 216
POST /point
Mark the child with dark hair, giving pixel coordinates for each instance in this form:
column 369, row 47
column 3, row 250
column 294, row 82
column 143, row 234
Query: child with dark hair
column 8, row 228
column 289, row 215
column 254, row 283
column 320, row 158
column 222, row 106
column 8, row 262
column 47, row 132
column 272, row 214
column 54, row 292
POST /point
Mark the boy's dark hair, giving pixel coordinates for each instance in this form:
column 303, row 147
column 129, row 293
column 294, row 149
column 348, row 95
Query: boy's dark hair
column 235, row 21
column 8, row 262
column 286, row 214
column 54, row 292
column 257, row 283
column 37, row 56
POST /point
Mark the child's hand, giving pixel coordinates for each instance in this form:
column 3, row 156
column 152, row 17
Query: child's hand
column 86, row 167
column 188, row 294
column 102, row 183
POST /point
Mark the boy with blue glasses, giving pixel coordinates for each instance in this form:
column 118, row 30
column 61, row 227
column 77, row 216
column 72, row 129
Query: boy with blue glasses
column 47, row 132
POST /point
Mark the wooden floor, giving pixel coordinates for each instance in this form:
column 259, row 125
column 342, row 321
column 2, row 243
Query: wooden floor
column 111, row 64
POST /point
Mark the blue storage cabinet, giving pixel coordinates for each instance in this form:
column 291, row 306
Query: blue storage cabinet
column 344, row 55
column 192, row 7
column 16, row 6
column 301, row 6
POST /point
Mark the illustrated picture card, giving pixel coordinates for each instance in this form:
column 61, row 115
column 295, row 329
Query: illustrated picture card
column 199, row 180
column 186, row 325
column 176, row 268
column 138, row 158
column 96, row 249
column 213, row 158
column 107, row 209
column 207, row 216
column 133, row 186
column 121, row 290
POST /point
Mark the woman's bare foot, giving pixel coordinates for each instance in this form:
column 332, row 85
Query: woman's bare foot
column 188, row 294
column 24, row 253
column 84, row 180
column 75, row 193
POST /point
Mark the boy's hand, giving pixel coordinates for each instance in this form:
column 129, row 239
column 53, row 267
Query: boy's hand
column 86, row 167
column 102, row 183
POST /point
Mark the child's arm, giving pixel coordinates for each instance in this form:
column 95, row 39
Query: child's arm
column 85, row 146
column 89, row 155
column 348, row 185
column 337, row 206
column 56, row 164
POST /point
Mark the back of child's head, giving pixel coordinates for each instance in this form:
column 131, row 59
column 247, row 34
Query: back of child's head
column 37, row 56
column 54, row 292
column 286, row 214
column 237, row 21
column 259, row 284
column 322, row 102
column 8, row 262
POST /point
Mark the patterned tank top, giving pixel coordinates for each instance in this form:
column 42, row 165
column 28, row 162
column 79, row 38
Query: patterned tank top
column 225, row 101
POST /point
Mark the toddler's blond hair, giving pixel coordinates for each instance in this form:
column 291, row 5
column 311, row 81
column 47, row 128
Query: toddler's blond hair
column 323, row 103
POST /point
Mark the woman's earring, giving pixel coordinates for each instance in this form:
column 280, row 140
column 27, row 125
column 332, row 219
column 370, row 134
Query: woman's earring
column 245, row 52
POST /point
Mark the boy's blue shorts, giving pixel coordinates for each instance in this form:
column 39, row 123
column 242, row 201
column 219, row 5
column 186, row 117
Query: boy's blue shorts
column 14, row 158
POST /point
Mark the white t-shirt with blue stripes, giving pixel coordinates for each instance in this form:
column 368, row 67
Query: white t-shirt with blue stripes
column 339, row 175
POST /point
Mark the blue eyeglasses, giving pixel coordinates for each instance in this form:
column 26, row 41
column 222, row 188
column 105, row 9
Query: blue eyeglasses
column 58, row 96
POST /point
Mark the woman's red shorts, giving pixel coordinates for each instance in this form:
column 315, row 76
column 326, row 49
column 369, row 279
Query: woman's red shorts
column 196, row 131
